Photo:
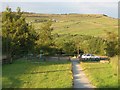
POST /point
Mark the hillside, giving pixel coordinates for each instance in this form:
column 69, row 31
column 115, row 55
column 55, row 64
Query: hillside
column 86, row 24
column 83, row 24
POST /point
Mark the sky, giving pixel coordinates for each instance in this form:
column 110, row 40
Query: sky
column 55, row 7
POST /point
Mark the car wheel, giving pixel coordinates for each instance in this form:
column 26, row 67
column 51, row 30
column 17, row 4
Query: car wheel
column 97, row 59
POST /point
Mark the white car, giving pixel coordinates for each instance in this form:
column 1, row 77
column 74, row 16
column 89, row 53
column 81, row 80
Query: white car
column 89, row 56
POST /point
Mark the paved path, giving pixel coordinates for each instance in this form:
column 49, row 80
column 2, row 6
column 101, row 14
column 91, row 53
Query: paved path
column 79, row 78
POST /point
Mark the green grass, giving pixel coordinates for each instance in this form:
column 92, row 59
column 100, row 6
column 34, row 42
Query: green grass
column 25, row 74
column 101, row 75
column 83, row 24
column 114, row 64
column 86, row 26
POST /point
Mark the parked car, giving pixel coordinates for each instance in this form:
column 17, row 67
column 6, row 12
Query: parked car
column 89, row 56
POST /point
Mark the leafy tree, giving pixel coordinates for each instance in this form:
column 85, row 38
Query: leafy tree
column 77, row 40
column 112, row 43
column 44, row 36
column 85, row 43
column 68, row 47
column 18, row 36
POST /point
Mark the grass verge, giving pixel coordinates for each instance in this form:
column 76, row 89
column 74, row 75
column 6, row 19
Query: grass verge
column 101, row 75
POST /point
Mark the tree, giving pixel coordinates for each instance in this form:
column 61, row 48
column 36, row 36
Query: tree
column 68, row 47
column 44, row 36
column 77, row 40
column 18, row 36
column 112, row 43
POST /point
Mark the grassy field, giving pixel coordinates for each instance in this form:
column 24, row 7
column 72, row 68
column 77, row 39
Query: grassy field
column 83, row 24
column 102, row 75
column 25, row 74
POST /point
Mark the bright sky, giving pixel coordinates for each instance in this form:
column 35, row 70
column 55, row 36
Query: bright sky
column 108, row 7
column 60, row 0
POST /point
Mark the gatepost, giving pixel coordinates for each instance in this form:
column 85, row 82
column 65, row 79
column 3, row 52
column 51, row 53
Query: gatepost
column 41, row 55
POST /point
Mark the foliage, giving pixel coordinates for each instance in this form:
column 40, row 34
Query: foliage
column 112, row 44
column 87, row 44
column 63, row 43
column 18, row 36
column 44, row 36
column 76, row 43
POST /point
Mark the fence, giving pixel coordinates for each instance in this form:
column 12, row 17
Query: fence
column 55, row 58
column 32, row 57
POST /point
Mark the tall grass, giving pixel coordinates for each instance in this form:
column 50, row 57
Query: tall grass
column 114, row 64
